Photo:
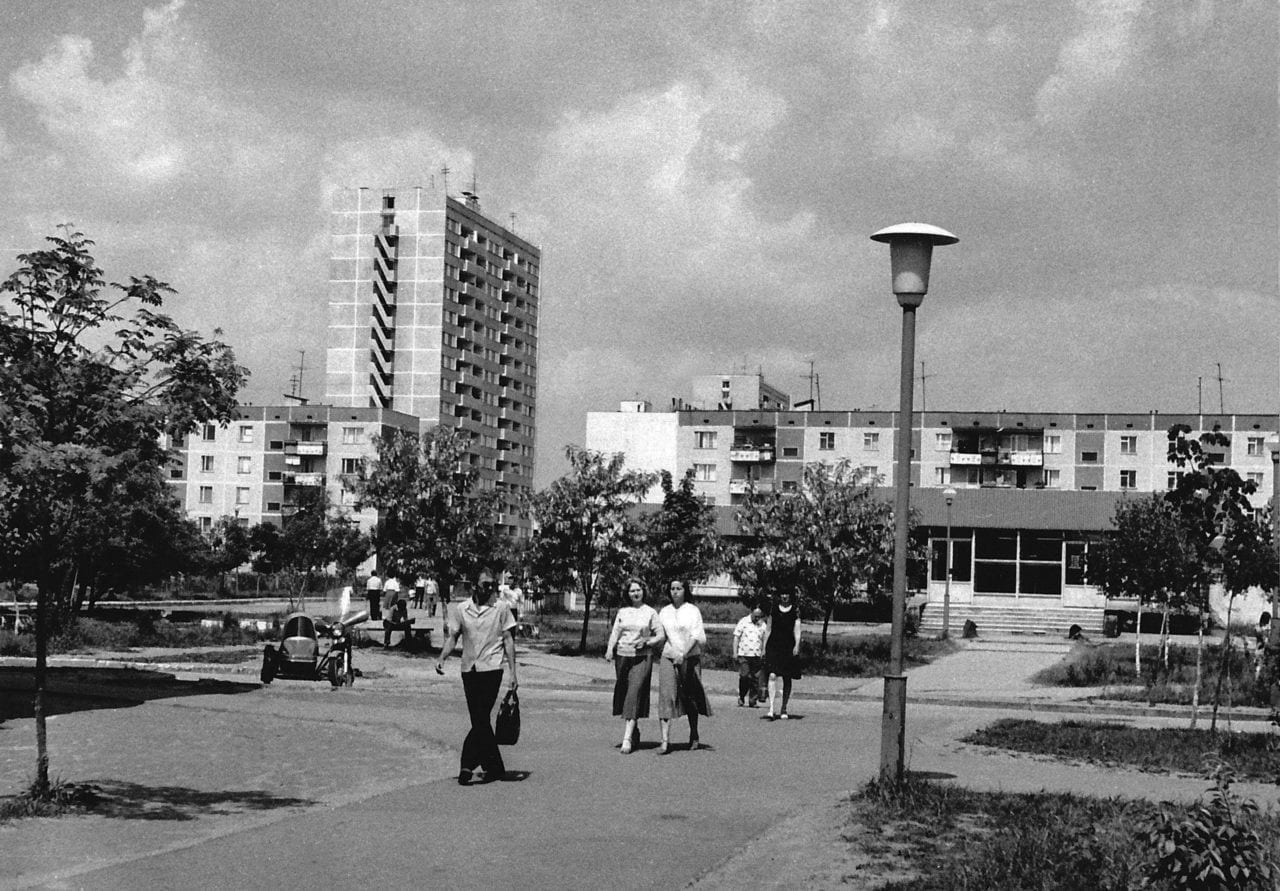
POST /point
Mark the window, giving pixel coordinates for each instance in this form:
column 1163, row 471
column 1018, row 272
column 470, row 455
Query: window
column 1128, row 479
column 176, row 473
column 871, row 442
column 790, row 486
column 206, row 524
column 704, row 439
column 1053, row 443
column 827, row 440
column 961, row 558
column 1052, row 478
column 790, row 452
column 1255, row 478
column 276, row 445
column 245, row 434
column 1216, row 457
column 942, row 475
column 244, row 464
column 242, row 494
column 206, row 463
column 1175, row 477
column 872, row 470
column 1128, row 445
column 1088, row 457
column 274, row 476
column 208, row 432
column 1254, row 447
column 942, row 441
column 273, row 506
column 206, row 494
column 351, row 465
column 705, row 473
column 352, row 435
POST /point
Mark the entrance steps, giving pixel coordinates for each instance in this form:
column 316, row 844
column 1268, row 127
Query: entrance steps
column 1049, row 621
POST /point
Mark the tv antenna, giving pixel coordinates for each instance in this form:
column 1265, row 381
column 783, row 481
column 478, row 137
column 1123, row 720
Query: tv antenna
column 295, row 382
column 444, row 174
column 815, row 388
column 1222, row 409
column 924, row 387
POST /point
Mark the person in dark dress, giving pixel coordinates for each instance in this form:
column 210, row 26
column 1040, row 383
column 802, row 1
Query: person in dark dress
column 782, row 651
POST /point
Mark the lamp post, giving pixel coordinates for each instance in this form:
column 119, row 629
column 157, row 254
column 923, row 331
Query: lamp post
column 1273, row 640
column 949, row 494
column 910, row 250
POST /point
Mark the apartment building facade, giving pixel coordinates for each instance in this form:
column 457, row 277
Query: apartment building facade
column 1034, row 491
column 254, row 468
column 433, row 313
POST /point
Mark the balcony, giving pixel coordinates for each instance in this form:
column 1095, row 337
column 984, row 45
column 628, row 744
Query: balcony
column 740, row 487
column 749, row 454
column 965, row 458
column 304, row 479
column 1022, row 459
column 300, row 447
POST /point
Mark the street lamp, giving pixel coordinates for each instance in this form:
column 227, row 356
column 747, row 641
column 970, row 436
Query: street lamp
column 949, row 493
column 910, row 250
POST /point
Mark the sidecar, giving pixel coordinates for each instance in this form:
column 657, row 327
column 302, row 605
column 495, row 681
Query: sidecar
column 311, row 650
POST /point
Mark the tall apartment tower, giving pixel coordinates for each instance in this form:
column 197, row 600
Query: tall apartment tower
column 433, row 312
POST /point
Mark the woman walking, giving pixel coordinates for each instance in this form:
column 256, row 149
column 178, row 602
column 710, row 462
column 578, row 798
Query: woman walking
column 635, row 637
column 680, row 689
column 782, row 651
column 485, row 630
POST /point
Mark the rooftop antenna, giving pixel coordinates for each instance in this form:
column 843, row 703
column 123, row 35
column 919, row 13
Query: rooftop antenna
column 1222, row 410
column 815, row 387
column 1200, row 395
column 444, row 173
column 295, row 382
column 924, row 387
column 513, row 221
column 473, row 196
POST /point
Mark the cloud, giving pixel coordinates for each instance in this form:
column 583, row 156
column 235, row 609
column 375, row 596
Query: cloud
column 1091, row 62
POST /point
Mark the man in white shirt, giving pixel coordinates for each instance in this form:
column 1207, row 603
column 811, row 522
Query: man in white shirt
column 373, row 593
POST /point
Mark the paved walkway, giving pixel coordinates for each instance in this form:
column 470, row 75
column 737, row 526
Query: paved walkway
column 234, row 785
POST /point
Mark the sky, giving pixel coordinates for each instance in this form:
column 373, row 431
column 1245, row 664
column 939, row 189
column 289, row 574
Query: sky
column 702, row 179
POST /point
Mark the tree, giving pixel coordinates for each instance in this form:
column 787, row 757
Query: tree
column 679, row 540
column 582, row 533
column 831, row 541
column 1148, row 557
column 435, row 522
column 87, row 395
column 228, row 547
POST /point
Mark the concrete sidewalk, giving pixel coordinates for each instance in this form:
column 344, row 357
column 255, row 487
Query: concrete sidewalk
column 298, row 783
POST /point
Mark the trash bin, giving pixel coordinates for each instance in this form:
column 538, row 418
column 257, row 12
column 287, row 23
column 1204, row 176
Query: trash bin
column 1110, row 625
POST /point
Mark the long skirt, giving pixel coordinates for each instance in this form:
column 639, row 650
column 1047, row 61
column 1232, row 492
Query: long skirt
column 680, row 690
column 480, row 748
column 631, row 687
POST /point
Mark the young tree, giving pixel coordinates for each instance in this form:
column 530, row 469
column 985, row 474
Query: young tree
column 436, row 521
column 86, row 396
column 582, row 532
column 679, row 540
column 832, row 540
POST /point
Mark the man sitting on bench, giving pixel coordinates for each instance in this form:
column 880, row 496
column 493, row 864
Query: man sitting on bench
column 397, row 620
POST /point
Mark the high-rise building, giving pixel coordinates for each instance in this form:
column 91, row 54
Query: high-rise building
column 433, row 312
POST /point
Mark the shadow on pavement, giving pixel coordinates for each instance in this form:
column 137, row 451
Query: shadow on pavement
column 131, row 801
column 79, row 689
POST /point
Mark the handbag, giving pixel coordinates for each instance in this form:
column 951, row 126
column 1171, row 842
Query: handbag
column 507, row 728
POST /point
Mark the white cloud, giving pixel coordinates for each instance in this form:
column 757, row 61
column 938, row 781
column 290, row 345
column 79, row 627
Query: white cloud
column 1099, row 55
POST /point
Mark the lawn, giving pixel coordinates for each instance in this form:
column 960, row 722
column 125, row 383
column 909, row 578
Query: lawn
column 96, row 635
column 1251, row 756
column 853, row 656
column 1110, row 664
column 924, row 835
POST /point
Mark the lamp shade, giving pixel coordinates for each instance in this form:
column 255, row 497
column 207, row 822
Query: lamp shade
column 910, row 252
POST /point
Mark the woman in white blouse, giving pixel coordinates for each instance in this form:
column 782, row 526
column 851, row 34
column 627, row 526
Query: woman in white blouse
column 680, row 689
column 636, row 636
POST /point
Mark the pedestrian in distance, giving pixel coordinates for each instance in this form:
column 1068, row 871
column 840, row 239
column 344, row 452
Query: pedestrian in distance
column 373, row 594
column 680, row 690
column 484, row 627
column 390, row 592
column 419, row 592
column 782, row 651
column 635, row 637
column 748, row 651
column 433, row 596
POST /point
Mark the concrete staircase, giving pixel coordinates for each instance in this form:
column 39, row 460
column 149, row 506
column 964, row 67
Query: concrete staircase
column 1050, row 621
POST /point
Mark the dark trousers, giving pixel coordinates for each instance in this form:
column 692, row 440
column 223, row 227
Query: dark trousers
column 480, row 748
column 749, row 678
column 375, row 605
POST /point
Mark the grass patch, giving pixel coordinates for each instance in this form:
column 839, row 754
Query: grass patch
column 1111, row 665
column 96, row 635
column 860, row 656
column 939, row 836
column 1254, row 756
column 60, row 798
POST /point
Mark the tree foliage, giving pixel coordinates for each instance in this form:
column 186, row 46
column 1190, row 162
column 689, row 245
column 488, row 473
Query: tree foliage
column 436, row 521
column 678, row 540
column 583, row 534
column 92, row 378
column 831, row 542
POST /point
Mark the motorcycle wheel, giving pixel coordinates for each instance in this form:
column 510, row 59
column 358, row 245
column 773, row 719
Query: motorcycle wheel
column 269, row 665
column 351, row 669
column 335, row 673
